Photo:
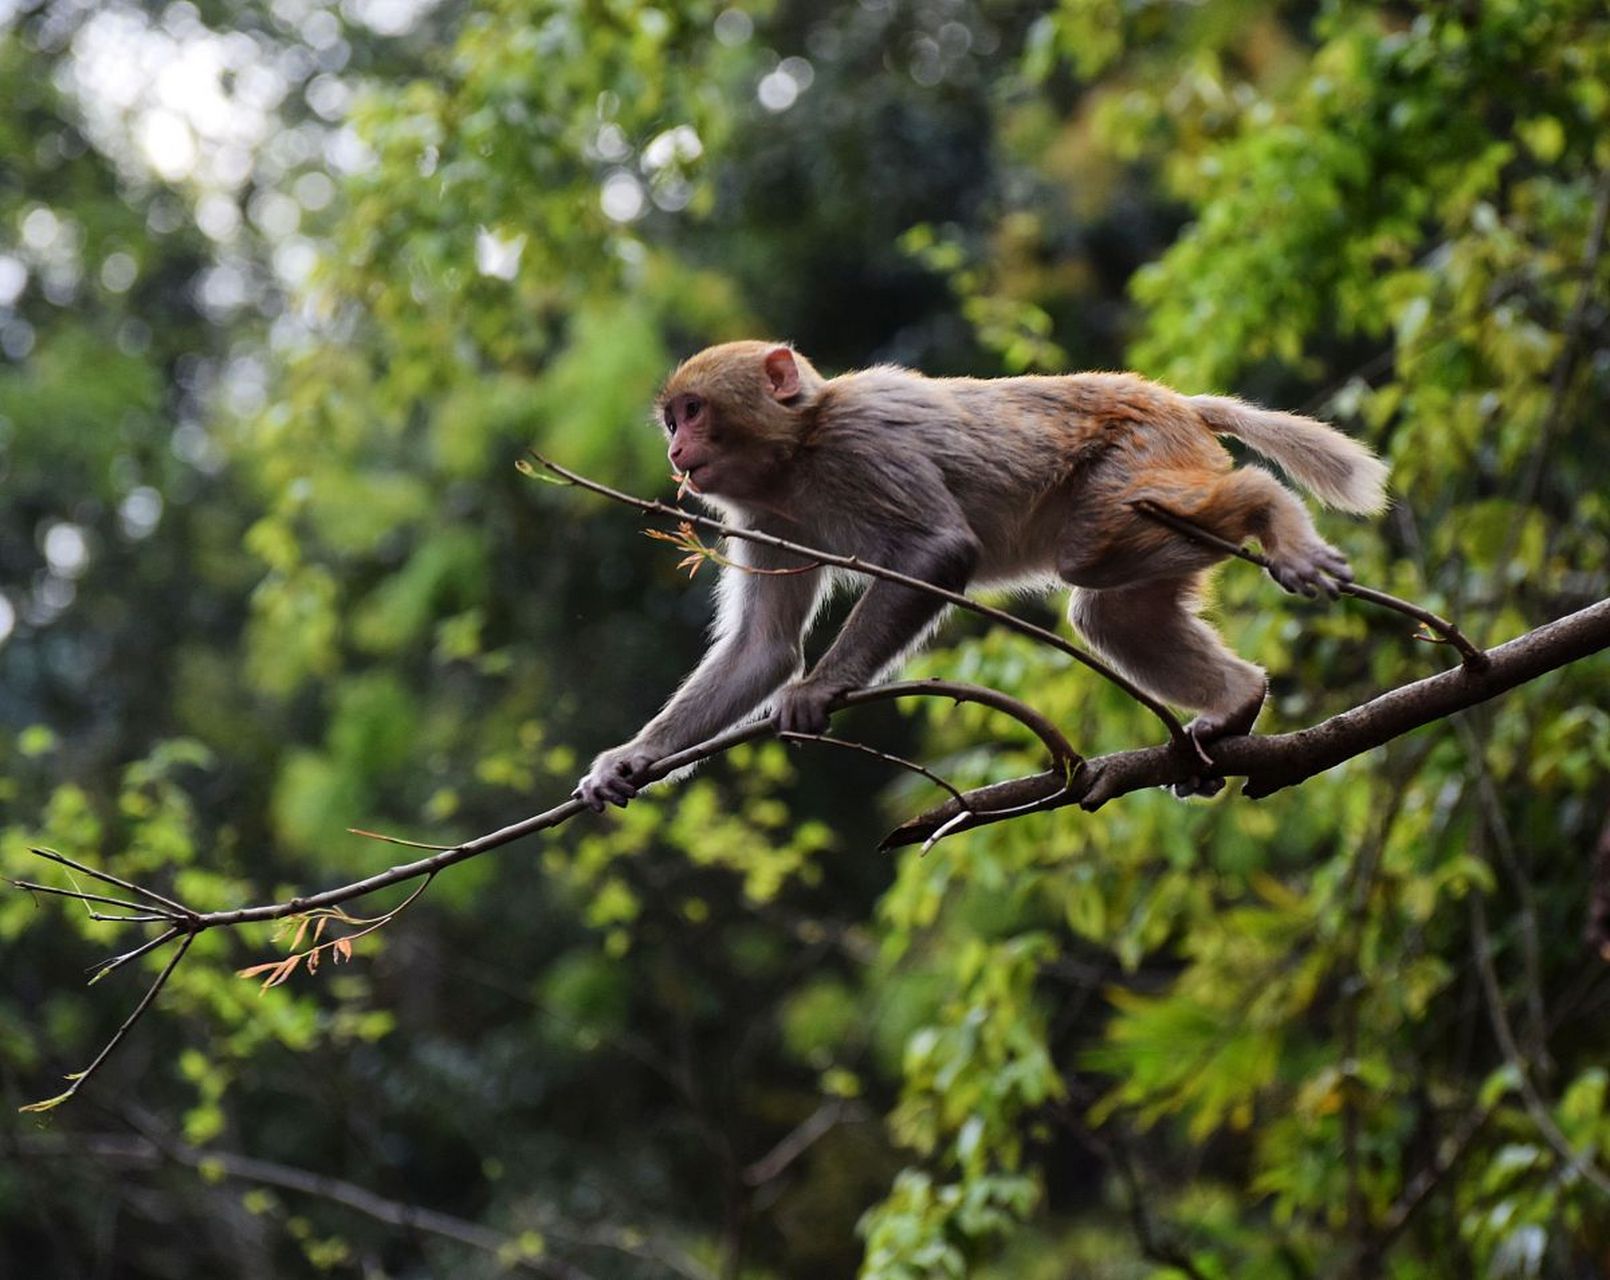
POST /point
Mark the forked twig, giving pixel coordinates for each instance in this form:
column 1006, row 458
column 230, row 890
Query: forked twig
column 117, row 962
column 1066, row 762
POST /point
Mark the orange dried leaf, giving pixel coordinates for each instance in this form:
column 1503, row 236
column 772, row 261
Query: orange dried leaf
column 286, row 968
column 343, row 947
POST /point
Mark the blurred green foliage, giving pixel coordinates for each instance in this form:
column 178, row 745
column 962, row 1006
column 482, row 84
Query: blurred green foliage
column 267, row 572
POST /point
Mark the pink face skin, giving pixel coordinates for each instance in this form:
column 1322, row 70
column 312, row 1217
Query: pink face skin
column 709, row 466
column 687, row 418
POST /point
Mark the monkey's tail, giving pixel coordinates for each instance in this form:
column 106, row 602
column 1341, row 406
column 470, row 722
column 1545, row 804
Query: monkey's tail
column 1336, row 469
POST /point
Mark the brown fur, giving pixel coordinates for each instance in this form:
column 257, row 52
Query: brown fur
column 1009, row 481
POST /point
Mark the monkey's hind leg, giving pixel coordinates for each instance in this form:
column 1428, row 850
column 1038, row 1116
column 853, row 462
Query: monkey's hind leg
column 1151, row 633
column 1250, row 502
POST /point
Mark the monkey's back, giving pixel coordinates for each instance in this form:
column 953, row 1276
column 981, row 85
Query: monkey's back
column 1022, row 457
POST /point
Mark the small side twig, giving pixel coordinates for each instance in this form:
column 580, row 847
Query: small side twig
column 106, row 877
column 408, row 844
column 33, row 886
column 78, row 1078
column 888, row 757
column 117, row 962
column 1444, row 631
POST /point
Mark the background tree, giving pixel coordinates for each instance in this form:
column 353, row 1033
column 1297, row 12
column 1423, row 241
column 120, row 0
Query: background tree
column 273, row 339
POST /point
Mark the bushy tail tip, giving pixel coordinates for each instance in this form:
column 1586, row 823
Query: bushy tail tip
column 1336, row 469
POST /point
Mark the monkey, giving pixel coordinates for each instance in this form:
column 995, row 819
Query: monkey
column 1027, row 481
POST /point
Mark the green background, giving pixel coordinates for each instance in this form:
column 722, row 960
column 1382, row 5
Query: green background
column 286, row 288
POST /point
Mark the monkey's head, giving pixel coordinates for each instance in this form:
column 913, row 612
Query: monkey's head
column 735, row 415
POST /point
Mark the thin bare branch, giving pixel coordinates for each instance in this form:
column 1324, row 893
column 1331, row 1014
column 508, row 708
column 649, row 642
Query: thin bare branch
column 888, row 757
column 79, row 1078
column 1064, row 760
column 1445, row 631
column 106, row 877
column 1065, row 763
column 79, row 895
column 802, row 1138
column 117, row 962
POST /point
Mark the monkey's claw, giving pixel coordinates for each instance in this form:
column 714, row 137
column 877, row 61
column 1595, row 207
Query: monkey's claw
column 1311, row 570
column 615, row 778
column 804, row 708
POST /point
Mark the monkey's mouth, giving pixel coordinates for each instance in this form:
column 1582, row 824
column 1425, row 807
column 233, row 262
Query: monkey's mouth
column 690, row 477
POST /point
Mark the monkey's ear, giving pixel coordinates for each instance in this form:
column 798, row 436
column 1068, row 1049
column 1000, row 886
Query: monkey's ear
column 782, row 374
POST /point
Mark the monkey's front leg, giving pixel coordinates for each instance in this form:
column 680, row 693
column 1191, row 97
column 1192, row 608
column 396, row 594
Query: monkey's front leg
column 886, row 621
column 733, row 678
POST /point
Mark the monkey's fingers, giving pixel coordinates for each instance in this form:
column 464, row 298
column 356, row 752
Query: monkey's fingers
column 1200, row 786
column 596, row 792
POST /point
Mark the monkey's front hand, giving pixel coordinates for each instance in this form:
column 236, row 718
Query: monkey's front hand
column 803, row 707
column 615, row 777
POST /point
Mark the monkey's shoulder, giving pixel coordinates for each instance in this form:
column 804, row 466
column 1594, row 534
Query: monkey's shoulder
column 885, row 394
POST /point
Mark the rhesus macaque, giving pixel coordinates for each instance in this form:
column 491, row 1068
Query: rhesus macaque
column 963, row 481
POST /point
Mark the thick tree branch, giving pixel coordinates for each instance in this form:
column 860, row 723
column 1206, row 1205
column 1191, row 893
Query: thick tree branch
column 1270, row 763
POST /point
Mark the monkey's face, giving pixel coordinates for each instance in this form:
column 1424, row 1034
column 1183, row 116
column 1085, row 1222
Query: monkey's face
column 729, row 431
column 715, row 451
column 691, row 449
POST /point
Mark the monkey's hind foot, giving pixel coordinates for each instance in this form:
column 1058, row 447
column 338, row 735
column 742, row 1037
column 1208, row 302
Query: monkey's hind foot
column 1310, row 569
column 1210, row 727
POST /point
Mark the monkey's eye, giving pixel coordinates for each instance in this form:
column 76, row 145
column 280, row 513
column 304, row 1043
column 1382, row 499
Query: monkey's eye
column 692, row 405
column 670, row 421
